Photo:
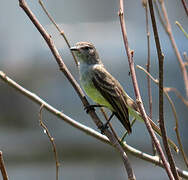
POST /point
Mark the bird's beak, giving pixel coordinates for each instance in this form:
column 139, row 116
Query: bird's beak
column 74, row 48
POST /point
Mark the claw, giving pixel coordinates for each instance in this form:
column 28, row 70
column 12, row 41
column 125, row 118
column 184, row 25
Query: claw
column 89, row 108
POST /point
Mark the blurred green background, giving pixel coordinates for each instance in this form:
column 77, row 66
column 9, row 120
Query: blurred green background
column 25, row 57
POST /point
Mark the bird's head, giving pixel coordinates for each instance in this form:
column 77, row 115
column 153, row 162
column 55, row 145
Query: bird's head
column 86, row 53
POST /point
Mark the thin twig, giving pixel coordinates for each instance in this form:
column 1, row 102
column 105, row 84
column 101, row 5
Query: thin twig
column 185, row 6
column 148, row 74
column 148, row 59
column 77, row 88
column 51, row 140
column 137, row 92
column 171, row 89
column 172, row 173
column 182, row 29
column 173, row 42
column 166, row 90
column 159, row 14
column 2, row 167
column 168, row 31
column 179, row 96
column 58, row 28
column 89, row 131
column 145, row 5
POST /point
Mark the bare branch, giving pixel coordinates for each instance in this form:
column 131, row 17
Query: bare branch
column 166, row 90
column 51, row 140
column 2, row 167
column 179, row 95
column 145, row 5
column 173, row 173
column 50, row 108
column 58, row 28
column 159, row 14
column 151, row 77
column 161, row 109
column 185, row 6
column 148, row 59
column 137, row 92
column 33, row 97
column 182, row 29
column 173, row 42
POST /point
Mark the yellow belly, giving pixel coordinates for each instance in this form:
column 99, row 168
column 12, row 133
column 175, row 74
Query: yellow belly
column 95, row 95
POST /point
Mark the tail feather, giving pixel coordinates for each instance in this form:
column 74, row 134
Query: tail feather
column 126, row 125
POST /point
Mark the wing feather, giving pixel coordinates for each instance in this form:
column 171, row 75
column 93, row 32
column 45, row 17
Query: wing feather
column 112, row 91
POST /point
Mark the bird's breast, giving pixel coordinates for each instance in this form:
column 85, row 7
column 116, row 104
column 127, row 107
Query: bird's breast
column 86, row 75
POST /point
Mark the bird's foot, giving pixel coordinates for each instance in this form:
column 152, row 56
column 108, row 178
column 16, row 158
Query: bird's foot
column 91, row 107
column 105, row 126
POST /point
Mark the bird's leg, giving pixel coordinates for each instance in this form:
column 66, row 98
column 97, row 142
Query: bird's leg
column 105, row 126
column 91, row 107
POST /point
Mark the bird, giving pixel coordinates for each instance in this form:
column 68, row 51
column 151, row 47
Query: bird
column 103, row 88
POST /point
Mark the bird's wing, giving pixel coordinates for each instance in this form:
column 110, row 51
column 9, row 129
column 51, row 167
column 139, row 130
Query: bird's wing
column 112, row 91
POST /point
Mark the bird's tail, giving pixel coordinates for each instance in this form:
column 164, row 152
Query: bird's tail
column 126, row 125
